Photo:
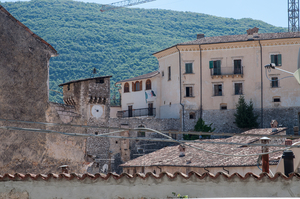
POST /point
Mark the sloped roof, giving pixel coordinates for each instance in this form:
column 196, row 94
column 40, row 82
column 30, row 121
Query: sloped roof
column 2, row 9
column 145, row 76
column 169, row 156
column 237, row 38
column 86, row 79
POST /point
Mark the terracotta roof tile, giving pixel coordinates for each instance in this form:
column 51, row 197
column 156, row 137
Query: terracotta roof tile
column 145, row 76
column 169, row 156
column 28, row 30
column 74, row 176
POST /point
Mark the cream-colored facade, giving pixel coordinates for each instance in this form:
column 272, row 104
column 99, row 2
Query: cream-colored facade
column 202, row 88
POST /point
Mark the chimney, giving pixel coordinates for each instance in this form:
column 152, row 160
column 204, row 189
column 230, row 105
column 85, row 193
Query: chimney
column 181, row 150
column 288, row 162
column 199, row 36
column 252, row 33
column 288, row 142
column 265, row 158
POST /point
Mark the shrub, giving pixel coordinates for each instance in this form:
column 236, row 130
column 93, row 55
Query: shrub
column 200, row 127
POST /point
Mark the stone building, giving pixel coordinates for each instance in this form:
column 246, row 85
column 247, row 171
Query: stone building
column 205, row 78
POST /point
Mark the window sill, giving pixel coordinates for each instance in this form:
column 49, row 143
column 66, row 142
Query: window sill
column 217, row 95
column 275, row 87
column 189, row 73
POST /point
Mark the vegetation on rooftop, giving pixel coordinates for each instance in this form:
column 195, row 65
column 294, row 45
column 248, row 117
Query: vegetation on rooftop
column 119, row 42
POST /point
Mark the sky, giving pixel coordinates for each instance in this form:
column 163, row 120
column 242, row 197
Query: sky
column 274, row 12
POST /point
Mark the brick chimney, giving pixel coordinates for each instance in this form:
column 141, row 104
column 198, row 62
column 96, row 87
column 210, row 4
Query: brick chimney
column 288, row 142
column 265, row 158
column 181, row 150
column 199, row 36
column 252, row 33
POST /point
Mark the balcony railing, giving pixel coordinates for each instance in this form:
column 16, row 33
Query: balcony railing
column 227, row 71
column 137, row 112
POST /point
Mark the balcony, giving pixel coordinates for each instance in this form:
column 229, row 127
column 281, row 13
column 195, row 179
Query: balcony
column 137, row 112
column 227, row 72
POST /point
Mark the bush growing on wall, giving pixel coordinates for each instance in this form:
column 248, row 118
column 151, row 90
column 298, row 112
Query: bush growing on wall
column 200, row 127
column 244, row 116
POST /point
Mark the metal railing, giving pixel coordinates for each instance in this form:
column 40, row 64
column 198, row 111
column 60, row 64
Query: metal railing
column 137, row 112
column 227, row 71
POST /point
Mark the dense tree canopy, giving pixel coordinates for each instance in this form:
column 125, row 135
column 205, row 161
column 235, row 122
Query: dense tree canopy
column 118, row 42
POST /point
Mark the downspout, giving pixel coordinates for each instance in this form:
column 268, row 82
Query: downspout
column 261, row 89
column 180, row 96
column 200, row 81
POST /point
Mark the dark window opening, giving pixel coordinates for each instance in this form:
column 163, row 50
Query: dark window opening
column 188, row 68
column 276, row 99
column 96, row 133
column 68, row 87
column 148, row 84
column 223, row 106
column 189, row 91
column 129, row 111
column 150, row 109
column 215, row 66
column 126, row 88
column 116, row 142
column 100, row 80
column 238, row 88
column 192, row 116
column 218, row 90
column 162, row 73
column 274, row 82
column 237, row 66
column 169, row 73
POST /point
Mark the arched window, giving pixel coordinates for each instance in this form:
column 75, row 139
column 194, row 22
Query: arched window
column 126, row 88
column 137, row 86
column 148, row 84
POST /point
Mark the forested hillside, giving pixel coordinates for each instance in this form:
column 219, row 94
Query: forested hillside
column 119, row 42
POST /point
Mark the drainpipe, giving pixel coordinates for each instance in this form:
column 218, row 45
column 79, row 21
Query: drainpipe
column 182, row 105
column 261, row 89
column 200, row 81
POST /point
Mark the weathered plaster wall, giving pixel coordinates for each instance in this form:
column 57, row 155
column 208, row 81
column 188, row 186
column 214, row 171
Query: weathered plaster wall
column 154, row 187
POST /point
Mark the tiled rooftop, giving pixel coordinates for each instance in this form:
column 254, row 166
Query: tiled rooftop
column 169, row 156
column 145, row 76
column 239, row 38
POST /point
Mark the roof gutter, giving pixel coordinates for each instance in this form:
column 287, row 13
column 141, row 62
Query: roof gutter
column 180, row 90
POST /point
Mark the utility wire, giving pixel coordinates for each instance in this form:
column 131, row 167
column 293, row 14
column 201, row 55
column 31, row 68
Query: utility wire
column 173, row 132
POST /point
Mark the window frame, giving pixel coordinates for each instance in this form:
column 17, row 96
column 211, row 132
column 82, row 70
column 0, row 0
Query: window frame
column 276, row 56
column 125, row 91
column 274, row 84
column 213, row 89
column 191, row 91
column 234, row 88
column 191, row 68
column 147, row 84
column 236, row 70
column 215, row 66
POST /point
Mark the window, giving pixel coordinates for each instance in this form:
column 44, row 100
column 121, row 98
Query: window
column 169, row 73
column 189, row 91
column 129, row 111
column 237, row 66
column 150, row 109
column 99, row 80
column 137, row 86
column 276, row 59
column 126, row 88
column 276, row 99
column 238, row 88
column 188, row 68
column 215, row 66
column 217, row 89
column 162, row 73
column 68, row 87
column 148, row 84
column 274, row 82
column 223, row 106
column 192, row 115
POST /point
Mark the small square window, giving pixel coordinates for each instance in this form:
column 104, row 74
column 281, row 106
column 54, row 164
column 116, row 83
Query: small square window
column 218, row 90
column 238, row 88
column 223, row 106
column 276, row 99
column 188, row 68
column 192, row 115
column 274, row 82
column 100, row 80
column 189, row 91
column 276, row 59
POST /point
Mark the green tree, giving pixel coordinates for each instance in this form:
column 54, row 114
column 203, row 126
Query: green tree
column 244, row 116
column 200, row 127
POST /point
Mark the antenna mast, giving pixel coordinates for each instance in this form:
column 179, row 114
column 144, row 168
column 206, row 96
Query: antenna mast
column 293, row 15
column 122, row 4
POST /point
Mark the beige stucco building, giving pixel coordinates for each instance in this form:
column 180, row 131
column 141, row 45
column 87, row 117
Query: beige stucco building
column 205, row 78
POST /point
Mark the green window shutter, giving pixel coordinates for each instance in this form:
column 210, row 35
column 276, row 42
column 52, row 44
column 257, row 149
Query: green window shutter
column 279, row 59
column 211, row 64
column 272, row 59
column 218, row 63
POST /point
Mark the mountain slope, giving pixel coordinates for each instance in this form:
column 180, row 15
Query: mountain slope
column 119, row 42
